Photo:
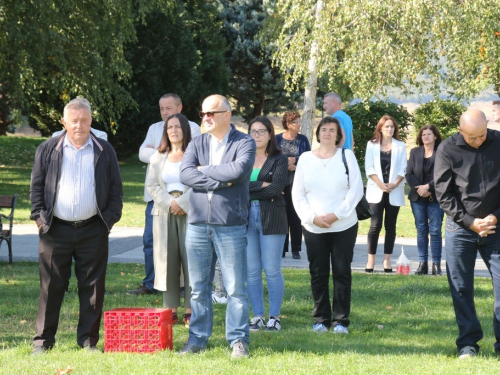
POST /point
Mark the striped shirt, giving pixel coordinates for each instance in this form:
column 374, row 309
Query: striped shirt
column 76, row 198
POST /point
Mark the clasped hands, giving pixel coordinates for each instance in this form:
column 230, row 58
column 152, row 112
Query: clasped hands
column 387, row 188
column 325, row 221
column 176, row 209
column 484, row 226
column 423, row 190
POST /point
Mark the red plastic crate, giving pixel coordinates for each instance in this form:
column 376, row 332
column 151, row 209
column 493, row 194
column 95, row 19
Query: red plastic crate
column 138, row 330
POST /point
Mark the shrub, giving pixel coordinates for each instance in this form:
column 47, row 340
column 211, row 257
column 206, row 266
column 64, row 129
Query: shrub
column 445, row 114
column 365, row 117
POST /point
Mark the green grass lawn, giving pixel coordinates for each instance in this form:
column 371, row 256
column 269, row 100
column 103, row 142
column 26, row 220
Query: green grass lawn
column 399, row 325
column 16, row 160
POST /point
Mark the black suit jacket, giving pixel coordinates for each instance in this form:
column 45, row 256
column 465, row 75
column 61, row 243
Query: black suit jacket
column 415, row 172
column 271, row 201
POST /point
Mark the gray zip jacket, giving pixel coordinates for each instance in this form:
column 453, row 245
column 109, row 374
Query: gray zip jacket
column 229, row 204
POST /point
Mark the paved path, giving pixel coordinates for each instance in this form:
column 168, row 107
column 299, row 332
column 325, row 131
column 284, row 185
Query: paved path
column 125, row 246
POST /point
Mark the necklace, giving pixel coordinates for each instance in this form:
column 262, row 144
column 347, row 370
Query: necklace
column 327, row 161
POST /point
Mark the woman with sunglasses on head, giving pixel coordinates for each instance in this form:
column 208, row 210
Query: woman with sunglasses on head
column 267, row 225
column 385, row 165
column 325, row 196
column 292, row 145
column 171, row 205
column 424, row 205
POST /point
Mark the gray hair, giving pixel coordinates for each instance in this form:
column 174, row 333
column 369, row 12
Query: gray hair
column 335, row 97
column 77, row 103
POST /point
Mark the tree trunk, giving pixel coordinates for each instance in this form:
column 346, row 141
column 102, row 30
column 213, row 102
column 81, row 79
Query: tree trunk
column 312, row 84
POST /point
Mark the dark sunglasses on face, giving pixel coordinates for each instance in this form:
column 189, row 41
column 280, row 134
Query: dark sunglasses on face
column 210, row 114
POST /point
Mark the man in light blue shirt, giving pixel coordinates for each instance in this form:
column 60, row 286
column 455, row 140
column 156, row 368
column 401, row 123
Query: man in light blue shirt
column 332, row 104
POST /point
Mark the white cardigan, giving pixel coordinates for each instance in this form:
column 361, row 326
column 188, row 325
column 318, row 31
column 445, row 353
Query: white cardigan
column 398, row 168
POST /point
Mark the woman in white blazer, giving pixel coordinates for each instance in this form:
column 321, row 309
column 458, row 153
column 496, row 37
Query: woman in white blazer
column 385, row 167
column 171, row 205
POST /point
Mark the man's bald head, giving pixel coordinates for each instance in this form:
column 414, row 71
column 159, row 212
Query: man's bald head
column 473, row 127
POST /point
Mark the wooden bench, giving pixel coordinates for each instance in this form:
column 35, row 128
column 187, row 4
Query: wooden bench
column 7, row 201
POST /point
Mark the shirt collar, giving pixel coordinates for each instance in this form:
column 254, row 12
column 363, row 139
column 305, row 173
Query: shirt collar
column 224, row 140
column 67, row 143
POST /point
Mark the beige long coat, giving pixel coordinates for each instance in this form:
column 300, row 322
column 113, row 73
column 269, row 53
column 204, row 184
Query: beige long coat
column 162, row 201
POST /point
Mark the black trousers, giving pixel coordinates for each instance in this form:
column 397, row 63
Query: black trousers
column 391, row 218
column 88, row 246
column 294, row 224
column 337, row 249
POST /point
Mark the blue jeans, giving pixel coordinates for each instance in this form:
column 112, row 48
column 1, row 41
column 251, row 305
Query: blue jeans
column 264, row 252
column 147, row 241
column 204, row 244
column 428, row 220
column 462, row 246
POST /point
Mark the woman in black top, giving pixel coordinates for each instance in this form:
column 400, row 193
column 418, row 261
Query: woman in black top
column 426, row 210
column 267, row 225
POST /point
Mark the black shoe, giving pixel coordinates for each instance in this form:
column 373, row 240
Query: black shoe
column 436, row 269
column 369, row 270
column 143, row 289
column 40, row 350
column 296, row 255
column 388, row 270
column 423, row 268
column 189, row 348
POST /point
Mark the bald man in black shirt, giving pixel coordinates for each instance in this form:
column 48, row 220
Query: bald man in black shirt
column 467, row 180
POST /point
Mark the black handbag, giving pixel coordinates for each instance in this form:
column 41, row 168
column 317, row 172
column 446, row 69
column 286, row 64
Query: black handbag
column 363, row 209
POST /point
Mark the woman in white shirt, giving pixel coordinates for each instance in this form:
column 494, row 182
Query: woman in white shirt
column 325, row 198
column 171, row 205
column 385, row 167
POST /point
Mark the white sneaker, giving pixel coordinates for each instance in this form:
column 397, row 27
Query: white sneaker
column 273, row 324
column 256, row 323
column 217, row 299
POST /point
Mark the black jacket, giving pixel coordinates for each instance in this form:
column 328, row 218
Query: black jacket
column 271, row 201
column 415, row 172
column 47, row 171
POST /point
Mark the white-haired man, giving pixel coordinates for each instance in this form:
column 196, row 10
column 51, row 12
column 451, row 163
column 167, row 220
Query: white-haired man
column 76, row 198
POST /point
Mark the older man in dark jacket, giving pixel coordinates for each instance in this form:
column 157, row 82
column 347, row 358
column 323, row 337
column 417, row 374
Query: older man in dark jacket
column 76, row 198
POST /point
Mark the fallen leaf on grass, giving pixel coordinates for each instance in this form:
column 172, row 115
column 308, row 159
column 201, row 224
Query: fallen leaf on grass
column 157, row 301
column 60, row 371
column 380, row 326
column 388, row 307
column 6, row 281
column 122, row 273
column 23, row 321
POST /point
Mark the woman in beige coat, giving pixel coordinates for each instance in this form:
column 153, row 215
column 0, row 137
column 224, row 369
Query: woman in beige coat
column 171, row 205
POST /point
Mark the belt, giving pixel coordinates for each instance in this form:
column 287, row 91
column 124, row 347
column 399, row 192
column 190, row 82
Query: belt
column 76, row 224
column 175, row 193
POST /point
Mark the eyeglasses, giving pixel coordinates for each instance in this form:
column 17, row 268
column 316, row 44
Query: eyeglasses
column 295, row 122
column 210, row 114
column 260, row 132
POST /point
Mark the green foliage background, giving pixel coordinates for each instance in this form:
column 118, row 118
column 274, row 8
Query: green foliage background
column 445, row 114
